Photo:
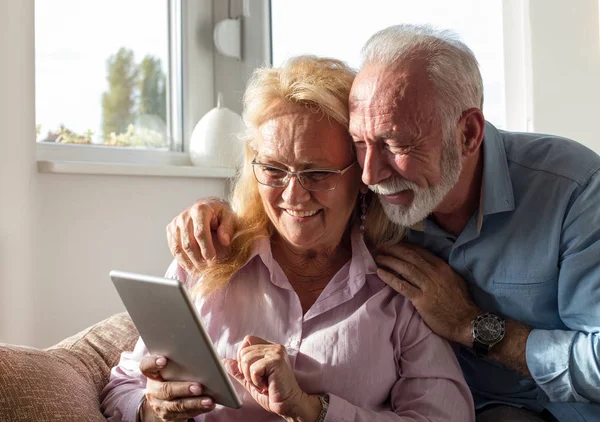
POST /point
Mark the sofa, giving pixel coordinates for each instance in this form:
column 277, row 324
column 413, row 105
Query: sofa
column 63, row 382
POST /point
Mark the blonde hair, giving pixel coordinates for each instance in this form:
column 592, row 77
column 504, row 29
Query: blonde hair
column 323, row 86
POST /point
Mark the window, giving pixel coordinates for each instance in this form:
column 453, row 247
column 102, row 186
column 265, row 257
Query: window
column 103, row 75
column 337, row 28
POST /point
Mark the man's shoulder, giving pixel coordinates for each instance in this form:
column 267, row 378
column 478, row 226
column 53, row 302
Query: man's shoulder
column 553, row 155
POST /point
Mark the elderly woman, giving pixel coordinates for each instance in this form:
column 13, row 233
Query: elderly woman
column 296, row 308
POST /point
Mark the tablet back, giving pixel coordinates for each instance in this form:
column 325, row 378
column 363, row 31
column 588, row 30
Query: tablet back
column 169, row 325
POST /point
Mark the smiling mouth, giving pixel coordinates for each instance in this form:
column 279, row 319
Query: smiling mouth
column 403, row 197
column 302, row 213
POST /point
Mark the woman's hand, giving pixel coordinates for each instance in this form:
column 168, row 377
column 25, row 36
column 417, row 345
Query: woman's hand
column 170, row 401
column 265, row 371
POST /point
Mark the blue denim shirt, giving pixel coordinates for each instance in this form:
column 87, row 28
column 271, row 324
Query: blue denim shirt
column 532, row 253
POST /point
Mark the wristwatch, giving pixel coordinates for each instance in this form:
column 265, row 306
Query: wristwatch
column 488, row 330
column 138, row 411
column 324, row 399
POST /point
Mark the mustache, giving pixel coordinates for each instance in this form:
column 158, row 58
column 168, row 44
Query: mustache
column 393, row 185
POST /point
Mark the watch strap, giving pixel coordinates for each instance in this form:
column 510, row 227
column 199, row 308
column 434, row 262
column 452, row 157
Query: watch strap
column 324, row 399
column 138, row 411
column 480, row 348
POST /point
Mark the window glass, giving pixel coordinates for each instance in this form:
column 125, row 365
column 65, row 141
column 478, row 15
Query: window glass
column 101, row 72
column 339, row 28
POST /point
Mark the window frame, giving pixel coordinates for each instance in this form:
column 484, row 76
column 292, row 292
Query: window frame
column 191, row 64
column 204, row 72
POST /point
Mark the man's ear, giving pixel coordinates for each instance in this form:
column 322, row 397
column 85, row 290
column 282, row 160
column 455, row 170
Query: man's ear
column 472, row 128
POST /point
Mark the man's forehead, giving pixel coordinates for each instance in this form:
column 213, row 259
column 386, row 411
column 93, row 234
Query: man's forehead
column 380, row 87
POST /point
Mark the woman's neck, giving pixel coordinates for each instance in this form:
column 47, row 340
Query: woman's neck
column 309, row 271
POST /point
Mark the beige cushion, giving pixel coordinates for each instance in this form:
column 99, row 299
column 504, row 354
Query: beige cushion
column 63, row 382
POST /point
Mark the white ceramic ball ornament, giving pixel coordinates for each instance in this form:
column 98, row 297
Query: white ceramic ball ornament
column 215, row 140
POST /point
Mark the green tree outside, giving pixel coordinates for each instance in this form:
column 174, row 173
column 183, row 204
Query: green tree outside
column 152, row 88
column 118, row 103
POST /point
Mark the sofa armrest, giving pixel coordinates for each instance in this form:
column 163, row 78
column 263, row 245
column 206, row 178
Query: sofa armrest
column 63, row 382
column 98, row 348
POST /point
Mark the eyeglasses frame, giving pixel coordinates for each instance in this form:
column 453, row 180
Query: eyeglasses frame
column 299, row 173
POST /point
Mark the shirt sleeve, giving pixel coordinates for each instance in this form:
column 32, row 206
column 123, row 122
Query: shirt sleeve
column 122, row 394
column 566, row 363
column 430, row 387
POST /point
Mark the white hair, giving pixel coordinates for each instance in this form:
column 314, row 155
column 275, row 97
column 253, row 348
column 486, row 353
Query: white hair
column 452, row 67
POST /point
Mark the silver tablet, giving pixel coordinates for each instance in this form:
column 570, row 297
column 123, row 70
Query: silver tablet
column 169, row 325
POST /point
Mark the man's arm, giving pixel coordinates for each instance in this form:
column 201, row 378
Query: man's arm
column 511, row 351
column 566, row 363
column 443, row 300
column 201, row 233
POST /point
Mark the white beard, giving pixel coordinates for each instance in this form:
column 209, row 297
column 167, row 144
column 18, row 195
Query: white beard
column 425, row 200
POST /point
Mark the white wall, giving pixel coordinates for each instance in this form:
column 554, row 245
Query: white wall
column 60, row 235
column 565, row 60
column 88, row 225
column 17, row 172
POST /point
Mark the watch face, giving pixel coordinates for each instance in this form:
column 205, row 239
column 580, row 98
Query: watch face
column 489, row 329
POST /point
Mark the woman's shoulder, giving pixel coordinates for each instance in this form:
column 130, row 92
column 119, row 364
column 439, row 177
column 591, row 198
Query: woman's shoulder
column 177, row 272
column 393, row 303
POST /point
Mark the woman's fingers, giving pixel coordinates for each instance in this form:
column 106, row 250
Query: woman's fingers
column 252, row 381
column 172, row 390
column 151, row 366
column 175, row 400
column 258, row 374
column 233, row 368
column 248, row 357
column 255, row 358
column 181, row 409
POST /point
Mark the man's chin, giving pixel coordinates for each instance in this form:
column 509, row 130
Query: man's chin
column 401, row 215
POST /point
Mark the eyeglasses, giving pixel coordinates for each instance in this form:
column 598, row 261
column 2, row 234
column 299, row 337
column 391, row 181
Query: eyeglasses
column 316, row 180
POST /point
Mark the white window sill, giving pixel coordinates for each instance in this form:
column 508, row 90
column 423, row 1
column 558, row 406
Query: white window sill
column 127, row 169
column 78, row 159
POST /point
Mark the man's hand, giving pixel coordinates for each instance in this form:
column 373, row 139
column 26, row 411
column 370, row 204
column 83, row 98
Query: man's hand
column 201, row 233
column 170, row 401
column 264, row 370
column 438, row 293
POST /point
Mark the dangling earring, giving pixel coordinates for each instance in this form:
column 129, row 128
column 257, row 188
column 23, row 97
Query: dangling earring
column 363, row 212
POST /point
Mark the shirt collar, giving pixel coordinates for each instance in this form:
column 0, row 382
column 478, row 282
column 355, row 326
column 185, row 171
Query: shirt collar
column 496, row 191
column 496, row 187
column 361, row 262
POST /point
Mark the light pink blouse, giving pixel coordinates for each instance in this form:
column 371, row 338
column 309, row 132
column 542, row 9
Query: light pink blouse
column 360, row 342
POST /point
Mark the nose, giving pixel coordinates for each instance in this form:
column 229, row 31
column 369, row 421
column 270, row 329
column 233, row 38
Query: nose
column 294, row 193
column 375, row 166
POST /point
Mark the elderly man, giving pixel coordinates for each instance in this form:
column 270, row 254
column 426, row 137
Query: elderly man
column 502, row 255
